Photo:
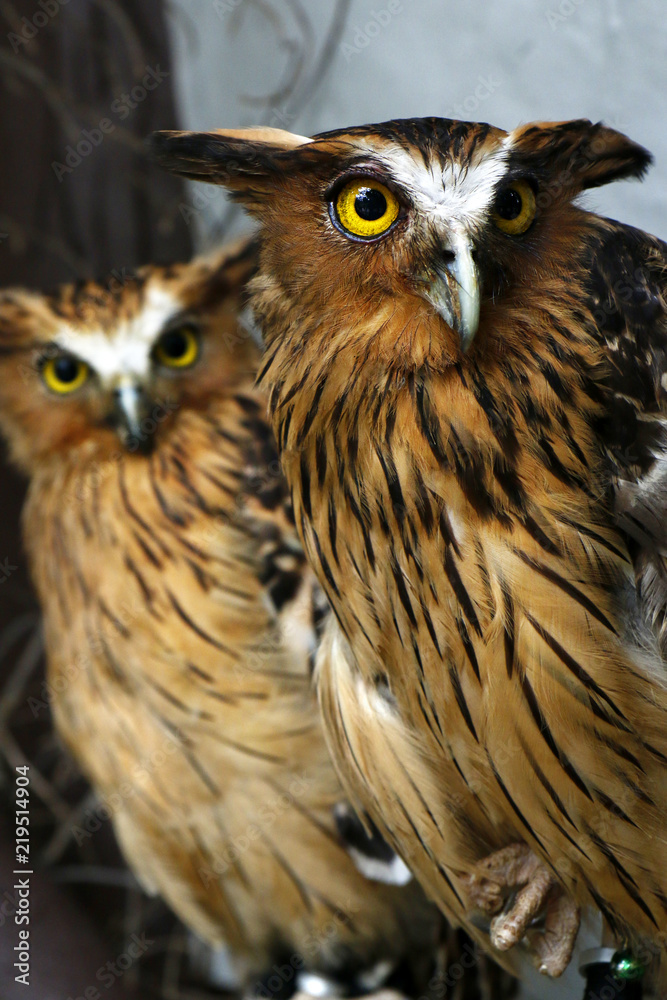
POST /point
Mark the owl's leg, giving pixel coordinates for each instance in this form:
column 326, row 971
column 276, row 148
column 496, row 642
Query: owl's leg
column 516, row 868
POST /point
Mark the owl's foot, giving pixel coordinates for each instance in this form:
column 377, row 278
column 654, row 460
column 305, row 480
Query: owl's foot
column 516, row 869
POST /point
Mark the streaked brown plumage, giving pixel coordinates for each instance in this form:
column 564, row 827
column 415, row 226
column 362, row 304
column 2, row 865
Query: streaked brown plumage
column 462, row 480
column 179, row 618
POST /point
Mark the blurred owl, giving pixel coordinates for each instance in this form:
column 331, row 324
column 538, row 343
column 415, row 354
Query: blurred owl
column 180, row 618
column 468, row 380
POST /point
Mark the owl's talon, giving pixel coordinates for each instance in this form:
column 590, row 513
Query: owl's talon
column 554, row 944
column 492, row 877
column 510, row 927
column 516, row 868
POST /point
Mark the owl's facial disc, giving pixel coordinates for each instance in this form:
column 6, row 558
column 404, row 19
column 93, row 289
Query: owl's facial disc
column 443, row 209
column 454, row 290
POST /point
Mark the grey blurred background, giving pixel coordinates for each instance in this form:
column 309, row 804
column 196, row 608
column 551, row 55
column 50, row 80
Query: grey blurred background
column 505, row 63
column 302, row 65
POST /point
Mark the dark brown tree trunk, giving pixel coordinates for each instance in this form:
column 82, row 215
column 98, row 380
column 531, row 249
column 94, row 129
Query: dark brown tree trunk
column 82, row 83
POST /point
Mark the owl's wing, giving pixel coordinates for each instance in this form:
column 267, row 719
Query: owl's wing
column 628, row 298
column 264, row 508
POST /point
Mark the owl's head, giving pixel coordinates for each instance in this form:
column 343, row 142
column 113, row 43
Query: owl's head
column 106, row 366
column 421, row 217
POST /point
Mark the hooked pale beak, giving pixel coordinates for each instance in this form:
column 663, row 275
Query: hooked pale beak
column 452, row 288
column 131, row 410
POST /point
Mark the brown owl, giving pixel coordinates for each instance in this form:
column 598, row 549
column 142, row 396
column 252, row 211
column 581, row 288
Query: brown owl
column 180, row 618
column 468, row 385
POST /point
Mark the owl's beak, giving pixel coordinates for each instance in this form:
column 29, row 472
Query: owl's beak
column 131, row 408
column 452, row 288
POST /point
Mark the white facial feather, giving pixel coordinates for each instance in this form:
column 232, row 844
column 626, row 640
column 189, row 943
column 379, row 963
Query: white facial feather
column 456, row 198
column 126, row 349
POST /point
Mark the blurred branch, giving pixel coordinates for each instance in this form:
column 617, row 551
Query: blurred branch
column 181, row 17
column 300, row 85
column 10, row 14
column 15, row 757
column 13, row 690
column 13, row 693
column 133, row 43
column 297, row 51
column 71, row 113
column 62, row 833
column 95, row 875
column 53, row 244
column 53, row 96
column 336, row 29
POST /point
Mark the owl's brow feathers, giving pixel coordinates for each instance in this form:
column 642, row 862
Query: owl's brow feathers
column 88, row 318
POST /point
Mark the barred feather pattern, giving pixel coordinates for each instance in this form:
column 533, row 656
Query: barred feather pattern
column 491, row 673
column 188, row 699
column 181, row 622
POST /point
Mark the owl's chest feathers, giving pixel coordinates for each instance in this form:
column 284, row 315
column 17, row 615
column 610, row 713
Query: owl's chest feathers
column 440, row 507
column 152, row 575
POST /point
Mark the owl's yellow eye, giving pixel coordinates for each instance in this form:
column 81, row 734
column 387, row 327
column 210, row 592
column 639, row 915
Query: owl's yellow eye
column 178, row 348
column 366, row 208
column 64, row 373
column 514, row 209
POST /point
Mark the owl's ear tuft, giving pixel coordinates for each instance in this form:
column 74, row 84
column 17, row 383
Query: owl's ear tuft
column 578, row 154
column 244, row 160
